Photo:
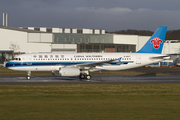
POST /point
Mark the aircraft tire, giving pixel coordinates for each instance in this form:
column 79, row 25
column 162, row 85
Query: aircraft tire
column 88, row 77
column 28, row 77
column 82, row 76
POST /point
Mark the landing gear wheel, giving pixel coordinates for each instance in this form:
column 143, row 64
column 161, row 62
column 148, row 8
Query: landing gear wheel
column 88, row 77
column 82, row 76
column 28, row 77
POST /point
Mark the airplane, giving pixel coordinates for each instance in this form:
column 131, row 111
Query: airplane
column 81, row 64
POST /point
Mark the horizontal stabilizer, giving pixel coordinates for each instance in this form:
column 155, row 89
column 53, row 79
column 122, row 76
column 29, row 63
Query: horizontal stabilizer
column 160, row 57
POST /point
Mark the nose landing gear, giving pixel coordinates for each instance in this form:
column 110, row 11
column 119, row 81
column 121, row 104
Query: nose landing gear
column 28, row 75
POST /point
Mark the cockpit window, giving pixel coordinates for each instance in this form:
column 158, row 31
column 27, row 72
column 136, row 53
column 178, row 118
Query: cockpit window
column 17, row 59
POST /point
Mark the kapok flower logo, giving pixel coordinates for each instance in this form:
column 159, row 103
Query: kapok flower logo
column 119, row 59
column 156, row 42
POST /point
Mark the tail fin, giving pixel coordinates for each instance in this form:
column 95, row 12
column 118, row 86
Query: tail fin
column 155, row 43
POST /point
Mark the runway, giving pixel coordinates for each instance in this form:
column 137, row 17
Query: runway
column 94, row 80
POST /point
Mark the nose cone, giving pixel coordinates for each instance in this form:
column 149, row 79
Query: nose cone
column 8, row 64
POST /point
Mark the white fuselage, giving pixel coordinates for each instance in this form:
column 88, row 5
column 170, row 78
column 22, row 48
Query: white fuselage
column 54, row 61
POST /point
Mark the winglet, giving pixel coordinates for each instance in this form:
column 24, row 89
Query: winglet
column 155, row 43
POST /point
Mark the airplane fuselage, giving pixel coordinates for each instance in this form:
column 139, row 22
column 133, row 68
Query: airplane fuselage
column 53, row 61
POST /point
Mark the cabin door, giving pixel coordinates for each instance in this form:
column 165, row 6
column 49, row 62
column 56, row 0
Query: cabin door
column 28, row 60
column 138, row 59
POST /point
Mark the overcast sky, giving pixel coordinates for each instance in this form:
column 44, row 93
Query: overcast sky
column 110, row 15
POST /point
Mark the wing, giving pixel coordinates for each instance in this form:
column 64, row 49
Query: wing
column 91, row 65
column 98, row 65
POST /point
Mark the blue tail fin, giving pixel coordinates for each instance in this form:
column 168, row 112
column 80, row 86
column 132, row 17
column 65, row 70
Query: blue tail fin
column 155, row 43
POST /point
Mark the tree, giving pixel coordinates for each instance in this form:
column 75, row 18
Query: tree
column 14, row 47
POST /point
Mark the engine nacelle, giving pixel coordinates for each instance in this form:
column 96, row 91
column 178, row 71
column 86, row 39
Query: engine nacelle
column 66, row 71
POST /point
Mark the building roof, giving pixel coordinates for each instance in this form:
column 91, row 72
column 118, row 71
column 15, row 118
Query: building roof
column 20, row 29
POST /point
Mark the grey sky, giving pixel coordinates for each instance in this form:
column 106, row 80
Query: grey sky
column 110, row 15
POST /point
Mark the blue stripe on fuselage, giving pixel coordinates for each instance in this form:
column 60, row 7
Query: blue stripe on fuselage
column 58, row 63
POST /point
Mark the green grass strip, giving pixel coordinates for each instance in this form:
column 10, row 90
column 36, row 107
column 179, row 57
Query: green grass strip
column 90, row 102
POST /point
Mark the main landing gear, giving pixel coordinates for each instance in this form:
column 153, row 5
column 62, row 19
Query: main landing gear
column 85, row 75
column 28, row 75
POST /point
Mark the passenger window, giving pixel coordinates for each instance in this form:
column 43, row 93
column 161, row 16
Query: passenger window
column 46, row 56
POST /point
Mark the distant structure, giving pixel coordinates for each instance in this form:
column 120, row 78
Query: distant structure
column 5, row 19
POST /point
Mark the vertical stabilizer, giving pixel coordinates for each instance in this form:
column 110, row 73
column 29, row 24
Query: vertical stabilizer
column 155, row 43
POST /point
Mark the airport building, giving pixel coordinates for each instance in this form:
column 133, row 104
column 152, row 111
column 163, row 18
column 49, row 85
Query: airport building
column 22, row 40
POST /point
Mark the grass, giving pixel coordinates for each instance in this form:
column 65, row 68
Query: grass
column 87, row 102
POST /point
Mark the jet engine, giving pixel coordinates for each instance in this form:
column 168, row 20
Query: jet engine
column 67, row 71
